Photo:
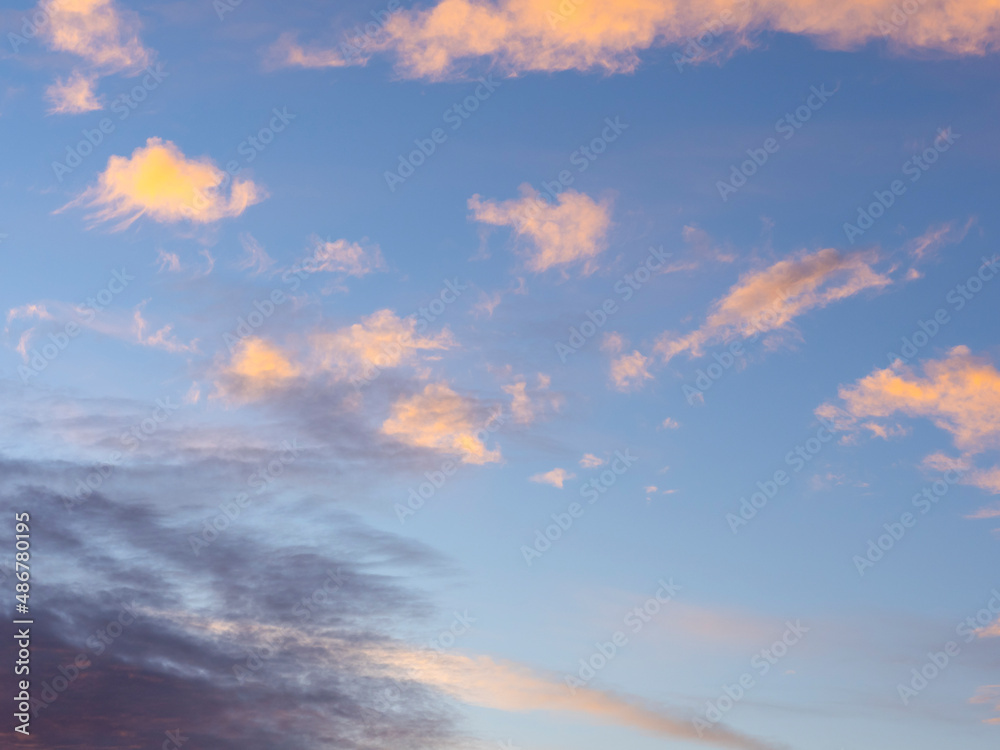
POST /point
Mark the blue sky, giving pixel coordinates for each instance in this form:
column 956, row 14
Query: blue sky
column 307, row 329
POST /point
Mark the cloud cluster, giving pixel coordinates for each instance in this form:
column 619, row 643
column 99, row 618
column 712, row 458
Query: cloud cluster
column 103, row 36
column 159, row 181
column 518, row 36
column 959, row 394
column 569, row 232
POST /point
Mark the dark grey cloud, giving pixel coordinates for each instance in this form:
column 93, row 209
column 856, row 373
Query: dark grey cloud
column 259, row 641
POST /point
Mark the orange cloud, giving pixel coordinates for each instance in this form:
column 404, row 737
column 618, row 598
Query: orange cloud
column 769, row 300
column 989, row 694
column 518, row 36
column 256, row 366
column 159, row 181
column 98, row 32
column 442, row 420
column 509, row 686
column 573, row 230
column 959, row 394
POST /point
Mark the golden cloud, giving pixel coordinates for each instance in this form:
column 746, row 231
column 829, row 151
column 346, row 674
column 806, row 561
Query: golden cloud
column 257, row 366
column 770, row 299
column 518, row 36
column 442, row 420
column 573, row 230
column 158, row 180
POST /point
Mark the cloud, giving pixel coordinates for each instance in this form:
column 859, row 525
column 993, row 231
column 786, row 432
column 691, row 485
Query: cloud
column 527, row 403
column 286, row 52
column 518, row 36
column 555, row 477
column 256, row 260
column 770, row 299
column 590, row 461
column 97, row 31
column 959, row 394
column 240, row 658
column 167, row 261
column 104, row 37
column 341, row 256
column 670, row 424
column 930, row 243
column 509, row 686
column 163, row 338
column 73, row 95
column 158, row 180
column 442, row 420
column 381, row 340
column 256, row 367
column 572, row 231
column 989, row 694
column 629, row 371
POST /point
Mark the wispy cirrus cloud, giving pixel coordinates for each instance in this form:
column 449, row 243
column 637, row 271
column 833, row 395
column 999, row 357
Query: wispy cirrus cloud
column 769, row 300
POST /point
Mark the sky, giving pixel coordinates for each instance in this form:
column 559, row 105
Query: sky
column 526, row 374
